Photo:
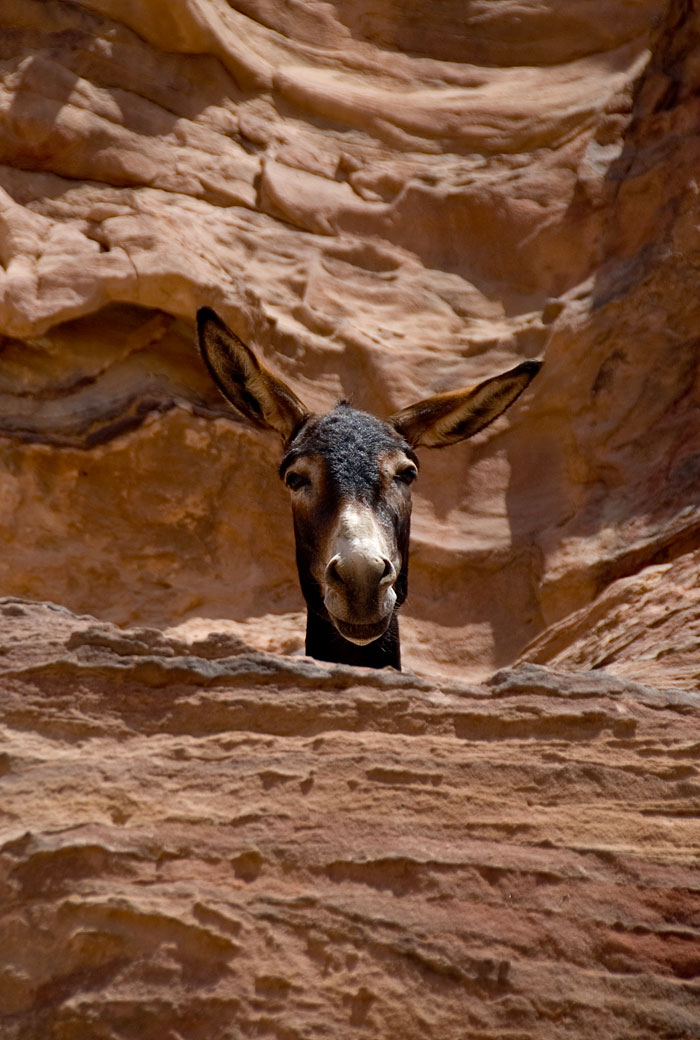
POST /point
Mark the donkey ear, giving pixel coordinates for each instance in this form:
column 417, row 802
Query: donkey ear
column 458, row 414
column 263, row 399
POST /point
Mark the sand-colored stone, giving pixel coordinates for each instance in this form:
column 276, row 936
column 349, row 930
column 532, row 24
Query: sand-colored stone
column 646, row 625
column 202, row 836
column 386, row 204
column 201, row 840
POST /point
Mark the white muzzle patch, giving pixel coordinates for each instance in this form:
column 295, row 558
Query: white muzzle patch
column 362, row 567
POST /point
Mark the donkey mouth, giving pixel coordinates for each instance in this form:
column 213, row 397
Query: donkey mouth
column 361, row 634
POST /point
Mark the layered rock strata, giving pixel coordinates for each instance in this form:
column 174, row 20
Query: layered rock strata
column 202, row 840
column 387, row 203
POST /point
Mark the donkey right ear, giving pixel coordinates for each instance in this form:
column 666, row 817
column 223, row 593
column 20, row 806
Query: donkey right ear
column 262, row 398
column 458, row 414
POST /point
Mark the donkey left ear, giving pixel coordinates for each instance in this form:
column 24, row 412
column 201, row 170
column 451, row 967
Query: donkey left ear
column 458, row 414
column 262, row 398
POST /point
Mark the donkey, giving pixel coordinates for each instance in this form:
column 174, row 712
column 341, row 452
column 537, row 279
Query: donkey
column 350, row 476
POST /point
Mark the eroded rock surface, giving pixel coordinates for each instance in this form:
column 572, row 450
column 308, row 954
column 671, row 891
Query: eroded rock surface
column 202, row 840
column 386, row 203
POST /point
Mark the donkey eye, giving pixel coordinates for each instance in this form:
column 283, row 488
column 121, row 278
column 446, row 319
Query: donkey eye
column 406, row 475
column 296, row 481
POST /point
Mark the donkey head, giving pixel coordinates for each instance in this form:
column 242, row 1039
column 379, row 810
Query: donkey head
column 350, row 476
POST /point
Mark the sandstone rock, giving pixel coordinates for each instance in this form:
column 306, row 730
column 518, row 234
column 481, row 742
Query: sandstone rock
column 644, row 625
column 203, row 839
column 199, row 839
column 386, row 204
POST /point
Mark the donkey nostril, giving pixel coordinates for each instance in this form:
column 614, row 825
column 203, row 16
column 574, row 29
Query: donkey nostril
column 333, row 576
column 388, row 574
column 372, row 572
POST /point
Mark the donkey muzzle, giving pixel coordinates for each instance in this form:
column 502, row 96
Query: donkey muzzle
column 359, row 577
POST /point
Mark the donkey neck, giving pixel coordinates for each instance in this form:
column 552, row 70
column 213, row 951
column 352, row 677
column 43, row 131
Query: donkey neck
column 325, row 643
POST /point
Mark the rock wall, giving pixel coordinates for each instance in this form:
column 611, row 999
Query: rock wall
column 200, row 842
column 386, row 203
column 203, row 840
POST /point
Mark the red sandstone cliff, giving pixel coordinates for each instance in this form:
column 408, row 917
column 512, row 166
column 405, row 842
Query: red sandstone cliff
column 201, row 839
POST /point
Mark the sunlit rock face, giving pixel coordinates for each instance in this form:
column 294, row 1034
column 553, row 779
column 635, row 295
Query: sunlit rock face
column 203, row 840
column 385, row 203
column 203, row 836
